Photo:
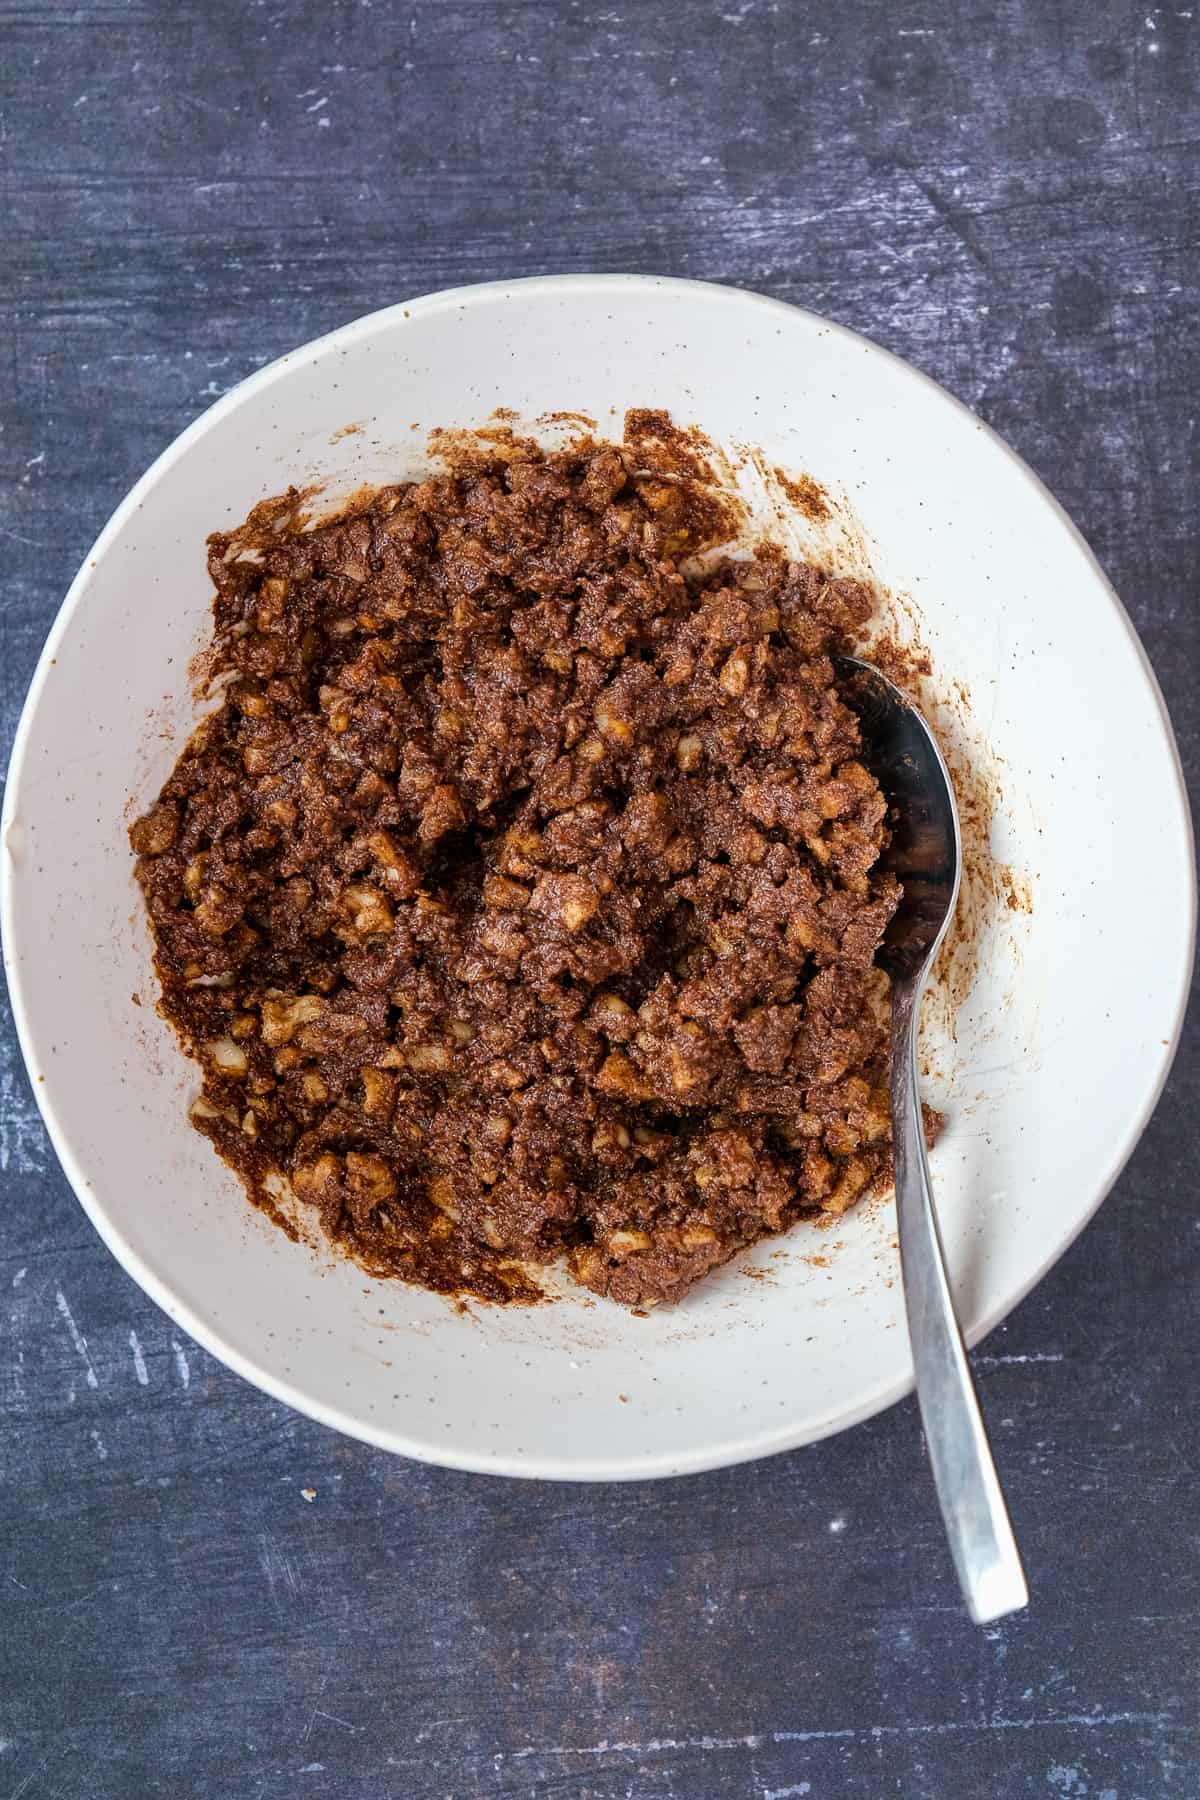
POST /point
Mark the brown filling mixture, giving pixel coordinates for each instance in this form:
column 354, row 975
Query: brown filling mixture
column 521, row 898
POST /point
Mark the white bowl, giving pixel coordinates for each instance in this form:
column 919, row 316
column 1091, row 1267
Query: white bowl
column 1063, row 1042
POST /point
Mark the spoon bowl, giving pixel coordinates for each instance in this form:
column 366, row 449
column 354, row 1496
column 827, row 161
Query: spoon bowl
column 925, row 848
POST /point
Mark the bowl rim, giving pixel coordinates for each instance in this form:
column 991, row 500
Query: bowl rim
column 197, row 1326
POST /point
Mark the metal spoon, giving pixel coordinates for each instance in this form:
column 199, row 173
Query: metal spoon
column 925, row 855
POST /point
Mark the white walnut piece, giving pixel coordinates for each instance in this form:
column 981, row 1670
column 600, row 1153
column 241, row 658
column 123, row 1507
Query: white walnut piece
column 227, row 1056
column 369, row 911
column 735, row 675
column 697, row 1237
column 608, row 1137
column 379, row 1092
column 204, row 1109
column 627, row 1243
column 612, row 726
column 281, row 1019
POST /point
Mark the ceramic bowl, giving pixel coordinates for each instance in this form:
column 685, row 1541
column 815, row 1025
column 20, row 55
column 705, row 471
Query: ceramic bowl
column 1047, row 1043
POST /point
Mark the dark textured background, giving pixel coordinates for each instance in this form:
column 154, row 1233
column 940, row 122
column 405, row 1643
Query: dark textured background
column 1004, row 193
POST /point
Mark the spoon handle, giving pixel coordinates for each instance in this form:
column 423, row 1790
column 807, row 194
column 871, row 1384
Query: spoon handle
column 968, row 1488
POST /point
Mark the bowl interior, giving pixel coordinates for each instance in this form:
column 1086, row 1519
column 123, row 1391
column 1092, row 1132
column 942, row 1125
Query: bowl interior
column 1059, row 1049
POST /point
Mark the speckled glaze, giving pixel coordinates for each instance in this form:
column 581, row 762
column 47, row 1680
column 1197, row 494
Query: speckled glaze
column 1061, row 1046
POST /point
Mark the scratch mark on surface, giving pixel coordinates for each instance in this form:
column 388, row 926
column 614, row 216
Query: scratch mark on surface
column 139, row 1360
column 334, row 1720
column 181, row 1363
column 20, row 538
column 847, row 1733
column 1036, row 1356
column 77, row 1337
column 277, row 1566
column 958, row 221
column 29, row 1779
column 313, row 1715
column 101, row 1452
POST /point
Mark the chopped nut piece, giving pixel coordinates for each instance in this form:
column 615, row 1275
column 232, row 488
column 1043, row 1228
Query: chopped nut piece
column 228, row 1056
column 442, row 812
column 379, row 1092
column 369, row 1176
column 613, row 1017
column 441, row 1192
column 627, row 1243
column 618, row 1076
column 368, row 910
column 281, row 1018
column 156, row 832
column 614, row 728
column 499, row 891
column 735, row 674
column 399, row 873
column 696, row 1236
column 569, row 899
column 318, row 1180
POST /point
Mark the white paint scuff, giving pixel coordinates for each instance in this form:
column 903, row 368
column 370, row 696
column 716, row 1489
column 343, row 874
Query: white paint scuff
column 77, row 1337
column 758, row 1740
column 23, row 1145
column 139, row 1360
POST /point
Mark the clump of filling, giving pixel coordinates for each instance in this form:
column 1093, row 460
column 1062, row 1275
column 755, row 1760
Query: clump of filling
column 521, row 898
